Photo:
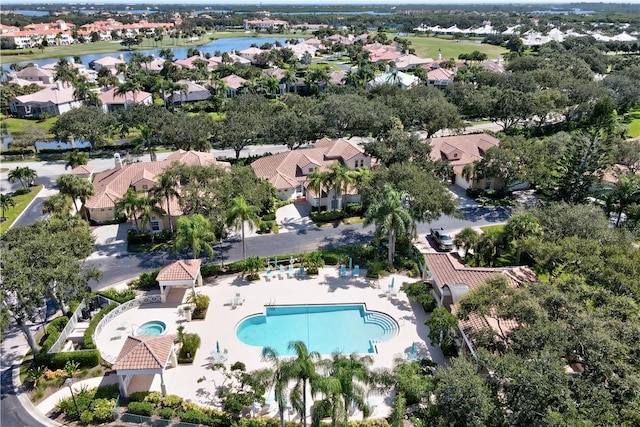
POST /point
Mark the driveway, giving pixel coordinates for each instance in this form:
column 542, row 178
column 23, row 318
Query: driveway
column 294, row 217
column 111, row 240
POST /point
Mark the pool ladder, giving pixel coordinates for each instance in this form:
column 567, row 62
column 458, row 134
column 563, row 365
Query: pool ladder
column 271, row 302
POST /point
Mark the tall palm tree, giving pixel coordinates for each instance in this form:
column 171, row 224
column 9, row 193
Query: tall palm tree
column 240, row 213
column 279, row 379
column 302, row 367
column 317, row 179
column 339, row 179
column 625, row 192
column 390, row 217
column 6, row 202
column 466, row 239
column 24, row 174
column 146, row 141
column 58, row 205
column 75, row 158
column 166, row 187
column 148, row 207
column 194, row 232
column 521, row 226
column 64, row 72
column 84, row 191
column 130, row 85
column 129, row 204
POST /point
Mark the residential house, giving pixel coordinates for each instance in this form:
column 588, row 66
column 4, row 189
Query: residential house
column 337, row 77
column 452, row 280
column 191, row 62
column 233, row 84
column 265, row 24
column 89, row 74
column 288, row 172
column 32, row 38
column 410, row 62
column 83, row 171
column 5, row 29
column 109, row 62
column 440, row 77
column 250, row 53
column 404, row 80
column 462, row 150
column 111, row 101
column 300, row 49
column 35, row 74
column 54, row 100
column 193, row 93
column 110, row 185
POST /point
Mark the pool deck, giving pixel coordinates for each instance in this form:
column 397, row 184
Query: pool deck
column 223, row 317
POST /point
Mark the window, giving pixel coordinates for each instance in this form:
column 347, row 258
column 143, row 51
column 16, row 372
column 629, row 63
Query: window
column 299, row 188
column 144, row 187
column 311, row 170
column 487, row 185
column 155, row 225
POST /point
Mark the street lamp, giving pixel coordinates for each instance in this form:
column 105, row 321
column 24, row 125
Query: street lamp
column 69, row 382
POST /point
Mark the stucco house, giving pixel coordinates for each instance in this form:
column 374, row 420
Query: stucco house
column 288, row 172
column 35, row 74
column 109, row 62
column 404, row 80
column 54, row 100
column 462, row 150
column 110, row 185
column 193, row 93
column 233, row 84
column 111, row 101
column 451, row 280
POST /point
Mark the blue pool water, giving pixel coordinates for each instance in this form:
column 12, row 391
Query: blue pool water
column 154, row 327
column 324, row 328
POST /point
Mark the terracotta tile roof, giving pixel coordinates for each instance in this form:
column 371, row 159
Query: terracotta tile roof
column 187, row 269
column 81, row 170
column 50, row 94
column 440, row 74
column 33, row 72
column 110, row 97
column 462, row 149
column 337, row 77
column 144, row 352
column 108, row 61
column 289, row 169
column 111, row 184
column 233, row 81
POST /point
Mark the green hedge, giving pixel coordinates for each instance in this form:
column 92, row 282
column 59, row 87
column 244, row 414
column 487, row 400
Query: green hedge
column 52, row 333
column 138, row 396
column 118, row 296
column 195, row 417
column 146, row 281
column 140, row 408
column 327, row 216
column 84, row 358
column 88, row 334
column 190, row 344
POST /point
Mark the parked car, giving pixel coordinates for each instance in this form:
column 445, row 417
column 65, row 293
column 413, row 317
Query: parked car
column 443, row 239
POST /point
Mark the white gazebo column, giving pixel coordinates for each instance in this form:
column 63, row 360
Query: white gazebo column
column 163, row 296
column 199, row 280
column 173, row 358
column 163, row 387
column 122, row 386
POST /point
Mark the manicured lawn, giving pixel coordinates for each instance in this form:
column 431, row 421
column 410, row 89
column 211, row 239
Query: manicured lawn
column 15, row 125
column 427, row 46
column 21, row 202
column 634, row 124
column 492, row 228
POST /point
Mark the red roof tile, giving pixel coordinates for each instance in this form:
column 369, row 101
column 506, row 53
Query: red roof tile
column 144, row 352
column 187, row 269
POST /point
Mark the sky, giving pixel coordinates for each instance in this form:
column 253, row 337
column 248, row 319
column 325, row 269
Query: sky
column 313, row 2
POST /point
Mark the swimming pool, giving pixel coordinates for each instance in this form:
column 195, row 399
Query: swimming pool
column 324, row 328
column 153, row 327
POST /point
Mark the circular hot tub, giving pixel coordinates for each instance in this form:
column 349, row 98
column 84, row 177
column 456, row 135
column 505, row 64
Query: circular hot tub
column 153, row 327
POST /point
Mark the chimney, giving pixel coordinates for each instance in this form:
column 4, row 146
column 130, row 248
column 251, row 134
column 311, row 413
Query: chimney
column 439, row 53
column 117, row 160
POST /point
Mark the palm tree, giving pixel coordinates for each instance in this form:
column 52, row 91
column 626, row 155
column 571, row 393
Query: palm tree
column 24, row 174
column 166, row 187
column 130, row 85
column 83, row 192
column 146, row 141
column 6, row 202
column 279, row 379
column 303, row 370
column 148, row 207
column 58, row 205
column 129, row 204
column 75, row 158
column 64, row 71
column 194, row 232
column 466, row 239
column 520, row 227
column 390, row 217
column 487, row 248
column 167, row 54
column 240, row 213
column 625, row 192
column 470, row 173
column 339, row 179
column 317, row 179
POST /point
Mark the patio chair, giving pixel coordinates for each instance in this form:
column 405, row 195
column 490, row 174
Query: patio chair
column 301, row 271
column 356, row 270
column 291, row 272
column 122, row 326
column 343, row 270
column 116, row 336
column 238, row 300
column 282, row 273
column 268, row 276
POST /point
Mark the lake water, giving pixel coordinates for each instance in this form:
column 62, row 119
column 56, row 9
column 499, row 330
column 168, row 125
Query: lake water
column 32, row 12
column 222, row 45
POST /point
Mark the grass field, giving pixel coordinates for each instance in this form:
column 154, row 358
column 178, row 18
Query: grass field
column 21, row 202
column 634, row 124
column 427, row 47
column 15, row 125
column 492, row 228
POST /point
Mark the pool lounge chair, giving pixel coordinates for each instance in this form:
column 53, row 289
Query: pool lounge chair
column 291, row 271
column 268, row 276
column 356, row 270
column 282, row 273
column 236, row 301
column 301, row 271
column 343, row 270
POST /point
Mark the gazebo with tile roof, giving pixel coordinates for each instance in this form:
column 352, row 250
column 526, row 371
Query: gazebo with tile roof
column 180, row 274
column 147, row 355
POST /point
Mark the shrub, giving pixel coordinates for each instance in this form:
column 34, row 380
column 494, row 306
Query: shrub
column 138, row 396
column 190, row 344
column 153, row 397
column 88, row 334
column 202, row 303
column 140, row 408
column 331, row 258
column 210, row 270
column 103, row 410
column 52, row 332
column 86, row 417
column 448, row 346
column 121, row 296
column 146, row 281
column 427, row 301
column 269, row 217
column 327, row 216
column 165, row 413
column 172, row 401
column 375, row 268
column 163, row 236
column 353, row 209
column 195, row 417
column 138, row 237
column 84, row 359
column 265, row 226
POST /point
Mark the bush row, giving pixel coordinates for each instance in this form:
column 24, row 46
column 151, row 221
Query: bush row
column 121, row 296
column 190, row 344
column 84, row 358
column 88, row 334
column 327, row 216
column 91, row 405
column 421, row 293
column 146, row 281
column 52, row 333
